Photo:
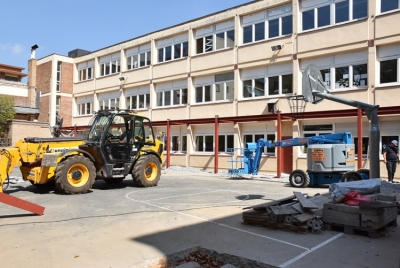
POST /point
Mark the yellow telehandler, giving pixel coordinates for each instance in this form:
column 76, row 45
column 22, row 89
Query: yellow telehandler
column 118, row 143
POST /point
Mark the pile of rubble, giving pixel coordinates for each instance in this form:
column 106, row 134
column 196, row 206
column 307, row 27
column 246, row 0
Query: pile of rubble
column 302, row 214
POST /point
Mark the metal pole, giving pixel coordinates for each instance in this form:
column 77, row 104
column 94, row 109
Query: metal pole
column 216, row 149
column 360, row 137
column 374, row 133
column 279, row 149
column 168, row 145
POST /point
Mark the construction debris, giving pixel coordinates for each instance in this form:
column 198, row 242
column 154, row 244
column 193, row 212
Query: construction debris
column 301, row 213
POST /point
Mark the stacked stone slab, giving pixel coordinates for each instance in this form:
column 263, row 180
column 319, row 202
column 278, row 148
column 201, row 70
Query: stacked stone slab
column 354, row 217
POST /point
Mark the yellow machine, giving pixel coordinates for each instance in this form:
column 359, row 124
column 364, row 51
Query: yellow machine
column 118, row 143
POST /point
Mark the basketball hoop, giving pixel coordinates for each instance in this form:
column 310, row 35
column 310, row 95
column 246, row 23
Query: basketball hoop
column 297, row 104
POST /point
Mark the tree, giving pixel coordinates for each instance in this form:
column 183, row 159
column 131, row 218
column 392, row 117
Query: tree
column 7, row 112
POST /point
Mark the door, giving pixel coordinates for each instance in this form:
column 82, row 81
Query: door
column 287, row 157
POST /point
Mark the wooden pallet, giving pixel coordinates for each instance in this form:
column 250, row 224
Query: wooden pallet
column 372, row 233
column 277, row 225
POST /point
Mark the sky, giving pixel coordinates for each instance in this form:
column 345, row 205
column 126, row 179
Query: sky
column 59, row 26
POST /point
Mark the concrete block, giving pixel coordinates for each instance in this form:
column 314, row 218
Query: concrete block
column 373, row 197
column 387, row 197
column 380, row 224
column 330, row 206
column 348, row 209
column 339, row 217
column 341, row 221
column 398, row 197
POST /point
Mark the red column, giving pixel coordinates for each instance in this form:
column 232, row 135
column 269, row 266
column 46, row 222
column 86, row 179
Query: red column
column 168, row 145
column 360, row 136
column 279, row 149
column 216, row 145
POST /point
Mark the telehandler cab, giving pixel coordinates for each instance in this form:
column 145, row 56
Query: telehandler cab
column 72, row 165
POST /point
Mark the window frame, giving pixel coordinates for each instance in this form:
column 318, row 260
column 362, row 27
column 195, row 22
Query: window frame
column 266, row 86
column 334, row 5
column 106, row 68
column 85, row 106
column 183, row 53
column 130, row 60
column 204, row 145
column 130, row 99
column 102, row 103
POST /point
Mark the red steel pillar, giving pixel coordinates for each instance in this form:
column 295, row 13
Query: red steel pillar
column 360, row 137
column 216, row 145
column 168, row 145
column 279, row 149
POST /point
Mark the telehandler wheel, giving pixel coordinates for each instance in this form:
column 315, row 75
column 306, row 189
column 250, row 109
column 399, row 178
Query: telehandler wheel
column 351, row 176
column 75, row 175
column 147, row 171
column 299, row 178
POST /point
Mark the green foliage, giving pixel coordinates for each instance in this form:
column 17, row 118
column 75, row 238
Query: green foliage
column 7, row 112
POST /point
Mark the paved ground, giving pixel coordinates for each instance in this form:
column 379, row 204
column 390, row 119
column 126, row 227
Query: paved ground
column 123, row 226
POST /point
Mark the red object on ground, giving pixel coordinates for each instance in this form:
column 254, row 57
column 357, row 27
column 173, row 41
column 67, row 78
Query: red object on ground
column 355, row 198
column 20, row 203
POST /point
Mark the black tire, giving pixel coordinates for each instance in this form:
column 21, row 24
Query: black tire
column 75, row 175
column 147, row 171
column 299, row 178
column 48, row 185
column 351, row 176
column 114, row 181
column 364, row 171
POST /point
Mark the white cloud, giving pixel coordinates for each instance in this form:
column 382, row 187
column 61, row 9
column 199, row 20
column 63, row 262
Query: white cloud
column 15, row 49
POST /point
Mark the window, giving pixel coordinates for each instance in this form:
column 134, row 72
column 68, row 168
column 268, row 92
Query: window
column 388, row 5
column 85, row 108
column 110, row 64
column 215, row 37
column 267, row 24
column 109, row 104
column 172, row 93
column 58, row 105
column 386, row 140
column 140, row 101
column 342, row 71
column 204, row 143
column 184, row 143
column 388, row 71
column 138, row 57
column 316, row 130
column 225, row 142
column 11, row 78
column 58, row 76
column 252, row 138
column 316, row 14
column 85, row 70
column 268, row 86
column 219, row 88
column 364, row 149
column 173, row 48
column 389, row 60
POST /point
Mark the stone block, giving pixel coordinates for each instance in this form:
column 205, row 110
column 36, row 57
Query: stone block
column 330, row 206
column 386, row 197
column 347, row 209
column 339, row 217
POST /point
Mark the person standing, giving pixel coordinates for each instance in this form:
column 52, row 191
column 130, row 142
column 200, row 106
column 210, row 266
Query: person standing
column 391, row 158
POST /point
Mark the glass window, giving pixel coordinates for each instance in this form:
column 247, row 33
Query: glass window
column 360, row 9
column 175, row 143
column 185, row 50
column 248, row 34
column 230, row 89
column 184, row 143
column 360, row 75
column 273, row 85
column 225, row 142
column 160, row 54
column 230, row 38
column 199, row 94
column 204, row 143
column 326, row 75
column 177, row 51
column 247, row 89
column 287, row 84
column 259, row 87
column 273, row 28
column 199, row 46
column 159, row 99
column 259, row 31
column 220, row 40
column 365, row 142
column 324, row 16
column 219, row 92
column 341, row 77
column 342, row 11
column 387, row 5
column 388, row 71
column 271, row 138
column 207, row 93
column 168, row 55
column 308, row 19
column 143, row 59
column 287, row 25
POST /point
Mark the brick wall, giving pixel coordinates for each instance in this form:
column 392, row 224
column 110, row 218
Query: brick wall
column 43, row 77
column 44, row 109
column 66, row 110
column 66, row 87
